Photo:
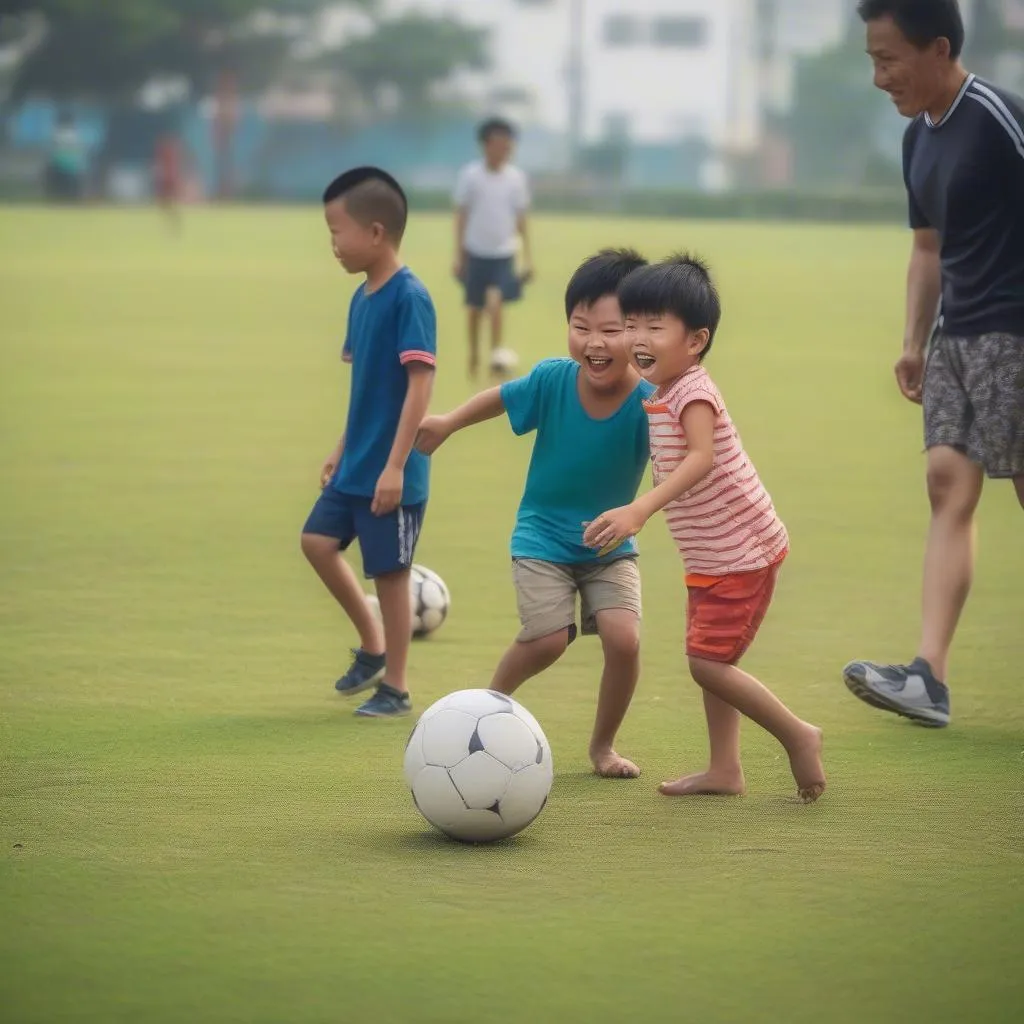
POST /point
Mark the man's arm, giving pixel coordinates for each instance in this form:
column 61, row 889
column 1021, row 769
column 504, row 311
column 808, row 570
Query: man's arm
column 924, row 289
column 435, row 430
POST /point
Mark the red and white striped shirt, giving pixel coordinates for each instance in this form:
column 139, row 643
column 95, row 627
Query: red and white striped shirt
column 726, row 523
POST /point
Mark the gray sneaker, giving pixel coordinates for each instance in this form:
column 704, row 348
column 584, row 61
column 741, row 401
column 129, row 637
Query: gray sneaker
column 908, row 690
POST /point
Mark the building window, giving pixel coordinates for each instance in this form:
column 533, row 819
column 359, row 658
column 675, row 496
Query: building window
column 691, row 33
column 622, row 30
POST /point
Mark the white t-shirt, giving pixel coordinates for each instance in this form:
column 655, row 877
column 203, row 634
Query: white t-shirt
column 493, row 201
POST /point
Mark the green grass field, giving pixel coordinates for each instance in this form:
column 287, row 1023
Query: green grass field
column 194, row 828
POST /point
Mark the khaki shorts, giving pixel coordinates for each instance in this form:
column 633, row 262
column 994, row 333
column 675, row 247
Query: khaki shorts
column 546, row 594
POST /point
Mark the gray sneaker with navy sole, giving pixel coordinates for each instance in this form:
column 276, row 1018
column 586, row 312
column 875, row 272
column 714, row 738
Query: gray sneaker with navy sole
column 908, row 690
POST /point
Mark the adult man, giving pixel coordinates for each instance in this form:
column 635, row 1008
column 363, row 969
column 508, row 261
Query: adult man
column 963, row 164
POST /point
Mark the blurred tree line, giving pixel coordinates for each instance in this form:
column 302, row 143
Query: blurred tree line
column 107, row 50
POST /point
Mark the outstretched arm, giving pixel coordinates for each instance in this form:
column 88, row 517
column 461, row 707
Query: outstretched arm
column 435, row 430
column 611, row 528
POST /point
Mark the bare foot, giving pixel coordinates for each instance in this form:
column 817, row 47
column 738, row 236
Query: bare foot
column 706, row 784
column 805, row 761
column 610, row 765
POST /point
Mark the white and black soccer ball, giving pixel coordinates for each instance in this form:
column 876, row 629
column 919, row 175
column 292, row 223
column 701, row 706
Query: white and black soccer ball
column 429, row 601
column 479, row 766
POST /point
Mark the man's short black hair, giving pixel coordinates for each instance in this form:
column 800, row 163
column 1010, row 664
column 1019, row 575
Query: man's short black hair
column 921, row 21
column 495, row 126
column 371, row 196
column 600, row 275
column 680, row 286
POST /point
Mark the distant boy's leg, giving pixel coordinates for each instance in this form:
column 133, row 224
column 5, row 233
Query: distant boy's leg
column 546, row 598
column 724, row 774
column 475, row 283
column 495, row 312
column 611, row 606
column 619, row 629
column 474, row 316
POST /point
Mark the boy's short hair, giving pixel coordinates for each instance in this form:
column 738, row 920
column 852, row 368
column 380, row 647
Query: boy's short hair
column 372, row 196
column 920, row 21
column 680, row 286
column 495, row 126
column 600, row 275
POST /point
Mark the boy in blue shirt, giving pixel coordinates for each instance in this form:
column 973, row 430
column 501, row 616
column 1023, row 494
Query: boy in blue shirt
column 374, row 484
column 591, row 444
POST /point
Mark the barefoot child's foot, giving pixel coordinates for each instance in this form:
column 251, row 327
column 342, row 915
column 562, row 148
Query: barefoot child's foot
column 805, row 761
column 706, row 784
column 610, row 765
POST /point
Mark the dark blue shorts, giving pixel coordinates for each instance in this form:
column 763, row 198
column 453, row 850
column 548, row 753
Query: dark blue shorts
column 482, row 273
column 387, row 543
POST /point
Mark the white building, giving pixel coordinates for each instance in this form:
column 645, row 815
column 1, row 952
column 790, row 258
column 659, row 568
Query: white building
column 654, row 71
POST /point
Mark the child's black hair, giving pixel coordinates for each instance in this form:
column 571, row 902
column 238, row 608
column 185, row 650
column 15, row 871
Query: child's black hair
column 371, row 196
column 495, row 126
column 680, row 286
column 600, row 275
column 920, row 21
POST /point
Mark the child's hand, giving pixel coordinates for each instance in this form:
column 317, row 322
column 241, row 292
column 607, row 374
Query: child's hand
column 388, row 494
column 433, row 432
column 610, row 529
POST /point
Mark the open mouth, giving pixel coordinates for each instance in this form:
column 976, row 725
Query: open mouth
column 643, row 360
column 598, row 363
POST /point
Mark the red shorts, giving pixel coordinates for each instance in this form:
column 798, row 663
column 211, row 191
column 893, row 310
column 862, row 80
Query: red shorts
column 724, row 613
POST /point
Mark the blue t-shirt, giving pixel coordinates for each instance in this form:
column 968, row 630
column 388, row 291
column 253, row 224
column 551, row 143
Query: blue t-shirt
column 387, row 329
column 580, row 466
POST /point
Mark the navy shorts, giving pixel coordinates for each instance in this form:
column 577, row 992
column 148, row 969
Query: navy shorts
column 483, row 273
column 387, row 543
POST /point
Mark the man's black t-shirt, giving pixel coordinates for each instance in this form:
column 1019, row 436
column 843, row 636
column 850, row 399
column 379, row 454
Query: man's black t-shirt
column 965, row 178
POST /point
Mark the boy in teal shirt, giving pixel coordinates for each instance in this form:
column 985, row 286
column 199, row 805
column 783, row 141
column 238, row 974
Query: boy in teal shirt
column 591, row 449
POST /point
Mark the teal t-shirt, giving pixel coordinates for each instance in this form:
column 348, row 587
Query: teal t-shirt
column 580, row 466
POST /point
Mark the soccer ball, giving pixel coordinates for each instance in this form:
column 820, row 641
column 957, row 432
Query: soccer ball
column 503, row 361
column 479, row 766
column 428, row 598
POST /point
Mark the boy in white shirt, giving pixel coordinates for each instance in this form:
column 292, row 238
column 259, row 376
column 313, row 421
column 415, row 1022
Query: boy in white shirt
column 492, row 197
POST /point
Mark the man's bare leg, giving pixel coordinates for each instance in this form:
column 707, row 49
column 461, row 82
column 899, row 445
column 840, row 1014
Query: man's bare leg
column 954, row 489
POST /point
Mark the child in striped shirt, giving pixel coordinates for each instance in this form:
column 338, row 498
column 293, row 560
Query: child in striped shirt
column 720, row 516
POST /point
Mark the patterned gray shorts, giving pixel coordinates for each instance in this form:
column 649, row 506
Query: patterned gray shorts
column 974, row 400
